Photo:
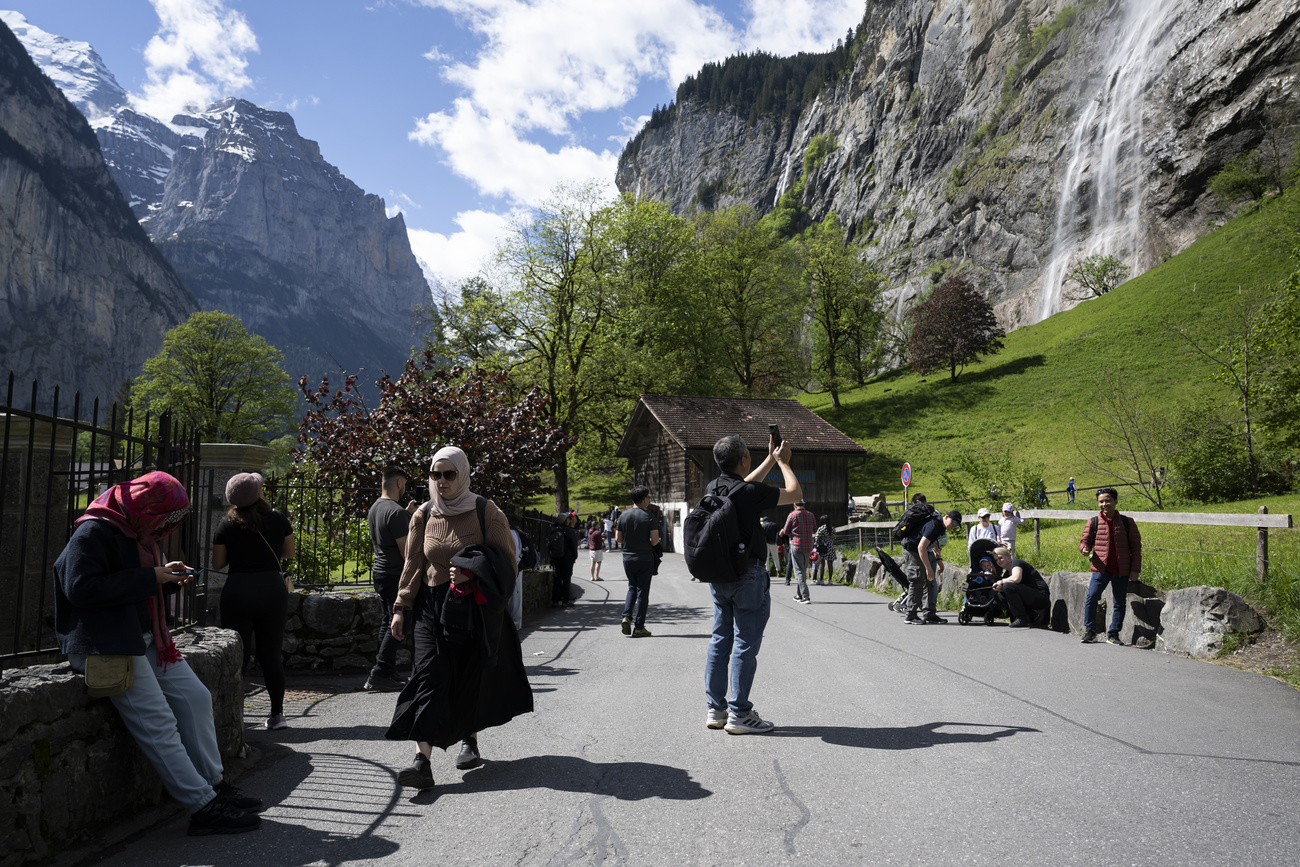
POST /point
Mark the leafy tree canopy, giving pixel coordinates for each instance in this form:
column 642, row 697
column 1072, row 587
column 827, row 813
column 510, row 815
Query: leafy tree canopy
column 952, row 328
column 1095, row 276
column 217, row 377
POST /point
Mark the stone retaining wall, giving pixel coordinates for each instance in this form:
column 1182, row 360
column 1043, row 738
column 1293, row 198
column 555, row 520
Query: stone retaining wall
column 1190, row 622
column 68, row 767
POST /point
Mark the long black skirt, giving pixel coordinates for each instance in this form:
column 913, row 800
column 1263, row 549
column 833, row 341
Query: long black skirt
column 455, row 690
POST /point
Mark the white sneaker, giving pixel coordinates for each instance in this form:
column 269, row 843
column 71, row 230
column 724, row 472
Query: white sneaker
column 749, row 724
column 276, row 723
column 717, row 718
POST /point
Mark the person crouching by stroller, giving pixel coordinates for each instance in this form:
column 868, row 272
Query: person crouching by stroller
column 824, row 545
column 1024, row 590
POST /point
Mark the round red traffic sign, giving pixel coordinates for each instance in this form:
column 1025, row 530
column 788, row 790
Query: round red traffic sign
column 907, row 475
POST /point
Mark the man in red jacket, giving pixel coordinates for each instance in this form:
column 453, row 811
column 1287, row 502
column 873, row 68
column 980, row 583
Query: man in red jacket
column 1114, row 547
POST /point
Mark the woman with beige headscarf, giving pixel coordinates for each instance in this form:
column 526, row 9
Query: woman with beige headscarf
column 456, row 689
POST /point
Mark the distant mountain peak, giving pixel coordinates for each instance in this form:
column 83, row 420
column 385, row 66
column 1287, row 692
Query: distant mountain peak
column 74, row 66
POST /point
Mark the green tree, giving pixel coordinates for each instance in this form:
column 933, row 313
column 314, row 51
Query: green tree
column 843, row 294
column 216, row 376
column 753, row 278
column 1246, row 177
column 1095, row 276
column 952, row 327
column 1277, row 336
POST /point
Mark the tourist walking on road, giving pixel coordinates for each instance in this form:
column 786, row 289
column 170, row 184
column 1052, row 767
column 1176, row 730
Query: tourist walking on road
column 460, row 685
column 741, row 606
column 596, row 549
column 824, row 545
column 252, row 540
column 563, row 548
column 638, row 534
column 110, row 582
column 1113, row 545
column 773, row 542
column 389, row 523
column 799, row 528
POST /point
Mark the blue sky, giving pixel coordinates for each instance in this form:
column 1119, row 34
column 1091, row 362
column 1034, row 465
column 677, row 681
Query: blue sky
column 462, row 113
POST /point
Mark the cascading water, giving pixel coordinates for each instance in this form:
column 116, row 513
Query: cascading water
column 1100, row 209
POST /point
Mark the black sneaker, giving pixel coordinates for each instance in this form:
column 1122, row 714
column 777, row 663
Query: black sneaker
column 417, row 775
column 1089, row 637
column 1019, row 624
column 469, row 757
column 913, row 619
column 219, row 817
column 1114, row 639
column 935, row 618
column 236, row 798
column 383, row 683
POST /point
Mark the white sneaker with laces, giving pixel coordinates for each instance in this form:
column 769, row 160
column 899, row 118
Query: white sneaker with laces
column 276, row 723
column 749, row 724
column 717, row 718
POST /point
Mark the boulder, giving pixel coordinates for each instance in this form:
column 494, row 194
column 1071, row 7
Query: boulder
column 1069, row 592
column 329, row 613
column 1195, row 619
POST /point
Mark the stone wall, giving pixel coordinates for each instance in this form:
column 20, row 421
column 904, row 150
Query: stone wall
column 69, row 769
column 339, row 629
column 1189, row 622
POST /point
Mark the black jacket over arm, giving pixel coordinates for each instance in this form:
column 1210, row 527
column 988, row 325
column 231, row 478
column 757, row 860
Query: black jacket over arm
column 100, row 593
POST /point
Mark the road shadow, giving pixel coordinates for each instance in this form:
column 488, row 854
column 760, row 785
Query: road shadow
column 903, row 737
column 611, row 615
column 627, row 781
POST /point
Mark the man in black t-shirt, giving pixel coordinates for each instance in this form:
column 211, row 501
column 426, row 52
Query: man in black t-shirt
column 388, row 528
column 742, row 606
column 638, row 533
column 922, row 561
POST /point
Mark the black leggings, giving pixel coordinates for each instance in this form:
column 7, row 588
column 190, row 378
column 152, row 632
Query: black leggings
column 255, row 605
column 1023, row 602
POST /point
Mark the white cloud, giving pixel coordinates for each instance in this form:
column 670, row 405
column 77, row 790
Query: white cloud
column 435, row 55
column 448, row 259
column 785, row 27
column 197, row 56
column 401, row 204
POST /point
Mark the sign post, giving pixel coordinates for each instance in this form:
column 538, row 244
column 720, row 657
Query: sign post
column 907, row 481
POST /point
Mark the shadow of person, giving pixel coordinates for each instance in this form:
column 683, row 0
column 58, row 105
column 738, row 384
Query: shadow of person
column 627, row 781
column 903, row 737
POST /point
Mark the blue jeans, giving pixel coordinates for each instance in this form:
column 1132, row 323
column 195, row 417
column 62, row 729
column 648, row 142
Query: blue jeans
column 740, row 612
column 800, row 561
column 638, row 591
column 169, row 713
column 1119, row 601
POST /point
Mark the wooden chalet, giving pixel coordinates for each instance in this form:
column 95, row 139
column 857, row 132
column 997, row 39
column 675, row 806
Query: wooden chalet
column 669, row 441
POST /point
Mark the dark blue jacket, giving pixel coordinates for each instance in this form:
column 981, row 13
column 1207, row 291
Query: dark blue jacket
column 100, row 593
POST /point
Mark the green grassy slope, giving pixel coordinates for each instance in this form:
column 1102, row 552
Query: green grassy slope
column 1034, row 396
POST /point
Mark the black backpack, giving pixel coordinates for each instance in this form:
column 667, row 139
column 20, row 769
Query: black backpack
column 912, row 521
column 714, row 550
column 527, row 553
column 555, row 545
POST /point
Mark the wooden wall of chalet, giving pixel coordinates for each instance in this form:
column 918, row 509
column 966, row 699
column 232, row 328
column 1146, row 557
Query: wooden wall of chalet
column 661, row 466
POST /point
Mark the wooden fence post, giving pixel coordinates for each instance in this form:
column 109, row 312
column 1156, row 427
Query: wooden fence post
column 1035, row 535
column 1261, row 550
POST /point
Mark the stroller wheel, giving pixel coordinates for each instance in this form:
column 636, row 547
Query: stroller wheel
column 989, row 618
column 963, row 617
column 891, row 605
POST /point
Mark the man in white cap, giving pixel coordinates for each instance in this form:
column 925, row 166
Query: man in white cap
column 1069, row 491
column 985, row 529
column 1007, row 526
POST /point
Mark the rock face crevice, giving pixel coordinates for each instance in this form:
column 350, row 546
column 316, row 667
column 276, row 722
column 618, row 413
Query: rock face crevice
column 935, row 162
column 84, row 296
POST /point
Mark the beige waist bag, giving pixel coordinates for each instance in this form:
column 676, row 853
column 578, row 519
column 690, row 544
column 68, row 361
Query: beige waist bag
column 108, row 675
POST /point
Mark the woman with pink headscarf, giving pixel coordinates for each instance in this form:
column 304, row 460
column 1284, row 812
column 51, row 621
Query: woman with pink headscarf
column 454, row 689
column 109, row 585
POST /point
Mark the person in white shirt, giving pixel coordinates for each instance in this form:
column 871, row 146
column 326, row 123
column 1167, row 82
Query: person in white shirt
column 1007, row 526
column 983, row 529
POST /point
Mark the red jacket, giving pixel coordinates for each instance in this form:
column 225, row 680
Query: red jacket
column 1126, row 545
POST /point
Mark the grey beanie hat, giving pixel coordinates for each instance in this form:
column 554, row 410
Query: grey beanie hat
column 244, row 489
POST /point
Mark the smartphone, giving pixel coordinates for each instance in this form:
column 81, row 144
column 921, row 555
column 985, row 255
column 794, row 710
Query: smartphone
column 775, row 431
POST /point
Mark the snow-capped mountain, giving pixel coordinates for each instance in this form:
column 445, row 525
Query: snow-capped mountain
column 256, row 222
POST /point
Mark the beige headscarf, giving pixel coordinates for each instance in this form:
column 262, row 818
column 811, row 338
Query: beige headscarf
column 461, row 499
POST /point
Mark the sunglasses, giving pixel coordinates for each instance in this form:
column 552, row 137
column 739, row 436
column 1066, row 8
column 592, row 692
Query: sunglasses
column 449, row 475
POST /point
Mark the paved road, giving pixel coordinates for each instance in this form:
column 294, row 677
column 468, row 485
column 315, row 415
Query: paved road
column 895, row 745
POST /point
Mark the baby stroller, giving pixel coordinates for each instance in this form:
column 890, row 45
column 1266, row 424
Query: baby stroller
column 896, row 572
column 979, row 597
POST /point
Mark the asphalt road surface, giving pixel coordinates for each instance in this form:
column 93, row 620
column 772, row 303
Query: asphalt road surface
column 894, row 744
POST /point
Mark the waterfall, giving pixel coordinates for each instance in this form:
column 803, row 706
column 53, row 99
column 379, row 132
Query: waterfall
column 1100, row 206
column 783, row 182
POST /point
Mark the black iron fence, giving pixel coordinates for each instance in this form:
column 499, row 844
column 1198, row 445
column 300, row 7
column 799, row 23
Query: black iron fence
column 51, row 467
column 332, row 544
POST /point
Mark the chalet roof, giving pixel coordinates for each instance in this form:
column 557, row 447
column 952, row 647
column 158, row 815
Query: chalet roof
column 696, row 423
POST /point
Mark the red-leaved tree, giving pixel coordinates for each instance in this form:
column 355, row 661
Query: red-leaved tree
column 510, row 442
column 952, row 328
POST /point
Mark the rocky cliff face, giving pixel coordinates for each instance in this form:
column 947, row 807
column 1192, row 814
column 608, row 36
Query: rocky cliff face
column 84, row 296
column 259, row 225
column 1101, row 140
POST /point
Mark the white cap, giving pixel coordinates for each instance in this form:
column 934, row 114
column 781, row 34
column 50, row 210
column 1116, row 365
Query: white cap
column 1008, row 507
column 983, row 513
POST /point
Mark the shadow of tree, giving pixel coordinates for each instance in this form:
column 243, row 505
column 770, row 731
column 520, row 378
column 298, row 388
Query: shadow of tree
column 904, row 737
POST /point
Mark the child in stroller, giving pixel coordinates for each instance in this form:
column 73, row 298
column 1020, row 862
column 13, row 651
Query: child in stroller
column 980, row 599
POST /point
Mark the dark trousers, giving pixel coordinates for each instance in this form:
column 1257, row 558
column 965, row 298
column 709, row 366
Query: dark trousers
column 255, row 605
column 918, row 586
column 561, row 581
column 1025, row 603
column 386, row 657
column 638, row 592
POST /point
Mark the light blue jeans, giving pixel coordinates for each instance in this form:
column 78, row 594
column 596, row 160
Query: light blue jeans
column 169, row 713
column 740, row 612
